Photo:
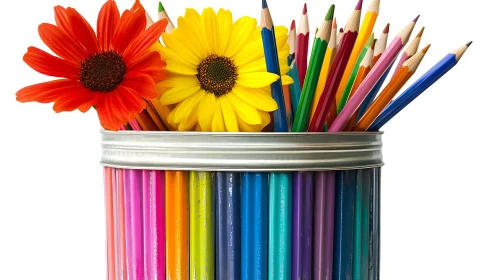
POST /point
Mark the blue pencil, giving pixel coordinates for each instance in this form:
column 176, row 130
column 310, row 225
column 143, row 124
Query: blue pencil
column 428, row 79
column 254, row 225
column 295, row 87
column 228, row 225
column 372, row 94
column 272, row 62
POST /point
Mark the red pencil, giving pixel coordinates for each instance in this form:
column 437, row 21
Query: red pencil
column 302, row 40
column 381, row 44
column 327, row 99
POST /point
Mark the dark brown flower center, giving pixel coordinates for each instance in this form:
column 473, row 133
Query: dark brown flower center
column 102, row 71
column 217, row 74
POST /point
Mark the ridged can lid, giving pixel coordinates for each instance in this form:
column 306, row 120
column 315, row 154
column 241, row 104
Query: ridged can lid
column 206, row 151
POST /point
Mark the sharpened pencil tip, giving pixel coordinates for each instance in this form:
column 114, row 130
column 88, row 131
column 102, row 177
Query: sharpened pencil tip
column 160, row 7
column 293, row 25
column 304, row 9
column 330, row 13
column 469, row 44
column 334, row 23
column 264, row 4
column 416, row 19
column 342, row 30
column 426, row 48
column 387, row 29
column 420, row 34
column 373, row 44
column 359, row 5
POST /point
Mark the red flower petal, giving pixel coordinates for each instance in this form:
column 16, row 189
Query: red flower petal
column 130, row 26
column 145, row 40
column 61, row 19
column 46, row 92
column 131, row 99
column 50, row 65
column 76, row 98
column 142, row 84
column 123, row 112
column 82, row 31
column 61, row 43
column 107, row 119
column 108, row 20
column 149, row 64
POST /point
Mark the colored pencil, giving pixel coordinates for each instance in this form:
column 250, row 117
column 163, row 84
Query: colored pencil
column 301, row 259
column 295, row 88
column 292, row 42
column 163, row 111
column 327, row 99
column 366, row 30
column 254, row 225
column 344, row 225
column 374, row 249
column 312, row 76
column 364, row 69
column 147, row 223
column 121, row 224
column 228, row 225
column 325, row 183
column 423, row 83
column 280, row 199
column 177, row 224
column 202, row 226
column 158, row 228
column 302, row 40
column 340, row 36
column 155, row 117
column 410, row 50
column 378, row 51
column 396, row 83
column 326, row 66
column 361, row 230
column 286, row 91
column 145, row 121
column 272, row 62
column 353, row 76
column 134, row 217
column 372, row 78
column 162, row 14
column 110, row 227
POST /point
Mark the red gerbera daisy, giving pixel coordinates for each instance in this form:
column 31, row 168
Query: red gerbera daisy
column 113, row 70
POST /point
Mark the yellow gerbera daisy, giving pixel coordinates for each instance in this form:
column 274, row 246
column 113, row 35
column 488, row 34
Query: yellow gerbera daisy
column 217, row 74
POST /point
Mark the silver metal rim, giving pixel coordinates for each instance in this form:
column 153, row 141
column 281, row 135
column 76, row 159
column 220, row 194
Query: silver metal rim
column 151, row 150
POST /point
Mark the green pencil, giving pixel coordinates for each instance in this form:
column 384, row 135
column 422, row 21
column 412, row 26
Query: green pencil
column 351, row 80
column 321, row 41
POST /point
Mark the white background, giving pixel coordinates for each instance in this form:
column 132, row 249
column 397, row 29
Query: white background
column 440, row 187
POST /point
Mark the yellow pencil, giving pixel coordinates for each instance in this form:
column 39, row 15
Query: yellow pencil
column 365, row 31
column 326, row 66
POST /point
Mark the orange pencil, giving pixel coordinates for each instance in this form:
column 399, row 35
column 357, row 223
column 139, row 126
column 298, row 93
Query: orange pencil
column 177, row 225
column 410, row 50
column 396, row 83
column 145, row 121
column 365, row 67
column 155, row 117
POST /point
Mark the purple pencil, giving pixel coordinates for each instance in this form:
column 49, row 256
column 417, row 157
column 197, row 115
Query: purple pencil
column 158, row 225
column 148, row 232
column 324, row 225
column 301, row 261
column 133, row 215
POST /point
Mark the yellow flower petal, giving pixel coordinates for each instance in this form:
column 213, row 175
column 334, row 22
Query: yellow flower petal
column 224, row 29
column 256, row 98
column 230, row 118
column 281, row 36
column 171, row 117
column 256, row 79
column 190, row 120
column 206, row 111
column 160, row 49
column 243, row 28
column 265, row 116
column 178, row 94
column 244, row 111
column 257, row 65
column 218, row 124
column 175, row 66
column 175, row 80
column 252, row 51
column 209, row 26
column 287, row 80
column 191, row 24
column 185, row 107
column 172, row 43
column 245, row 127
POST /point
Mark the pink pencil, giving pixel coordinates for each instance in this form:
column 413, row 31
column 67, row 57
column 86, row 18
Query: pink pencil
column 148, row 232
column 372, row 78
column 410, row 51
column 122, row 225
column 158, row 225
column 134, row 223
column 110, row 238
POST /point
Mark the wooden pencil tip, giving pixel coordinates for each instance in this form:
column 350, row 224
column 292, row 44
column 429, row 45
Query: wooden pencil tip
column 359, row 5
column 334, row 23
column 293, row 25
column 304, row 9
column 373, row 44
column 160, row 7
column 420, row 34
column 330, row 13
column 342, row 30
column 264, row 4
column 469, row 44
column 426, row 48
column 387, row 29
column 416, row 19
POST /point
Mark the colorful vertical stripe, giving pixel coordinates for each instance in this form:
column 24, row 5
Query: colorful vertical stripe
column 301, row 262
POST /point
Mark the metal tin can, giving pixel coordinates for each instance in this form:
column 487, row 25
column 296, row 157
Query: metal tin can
column 189, row 205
